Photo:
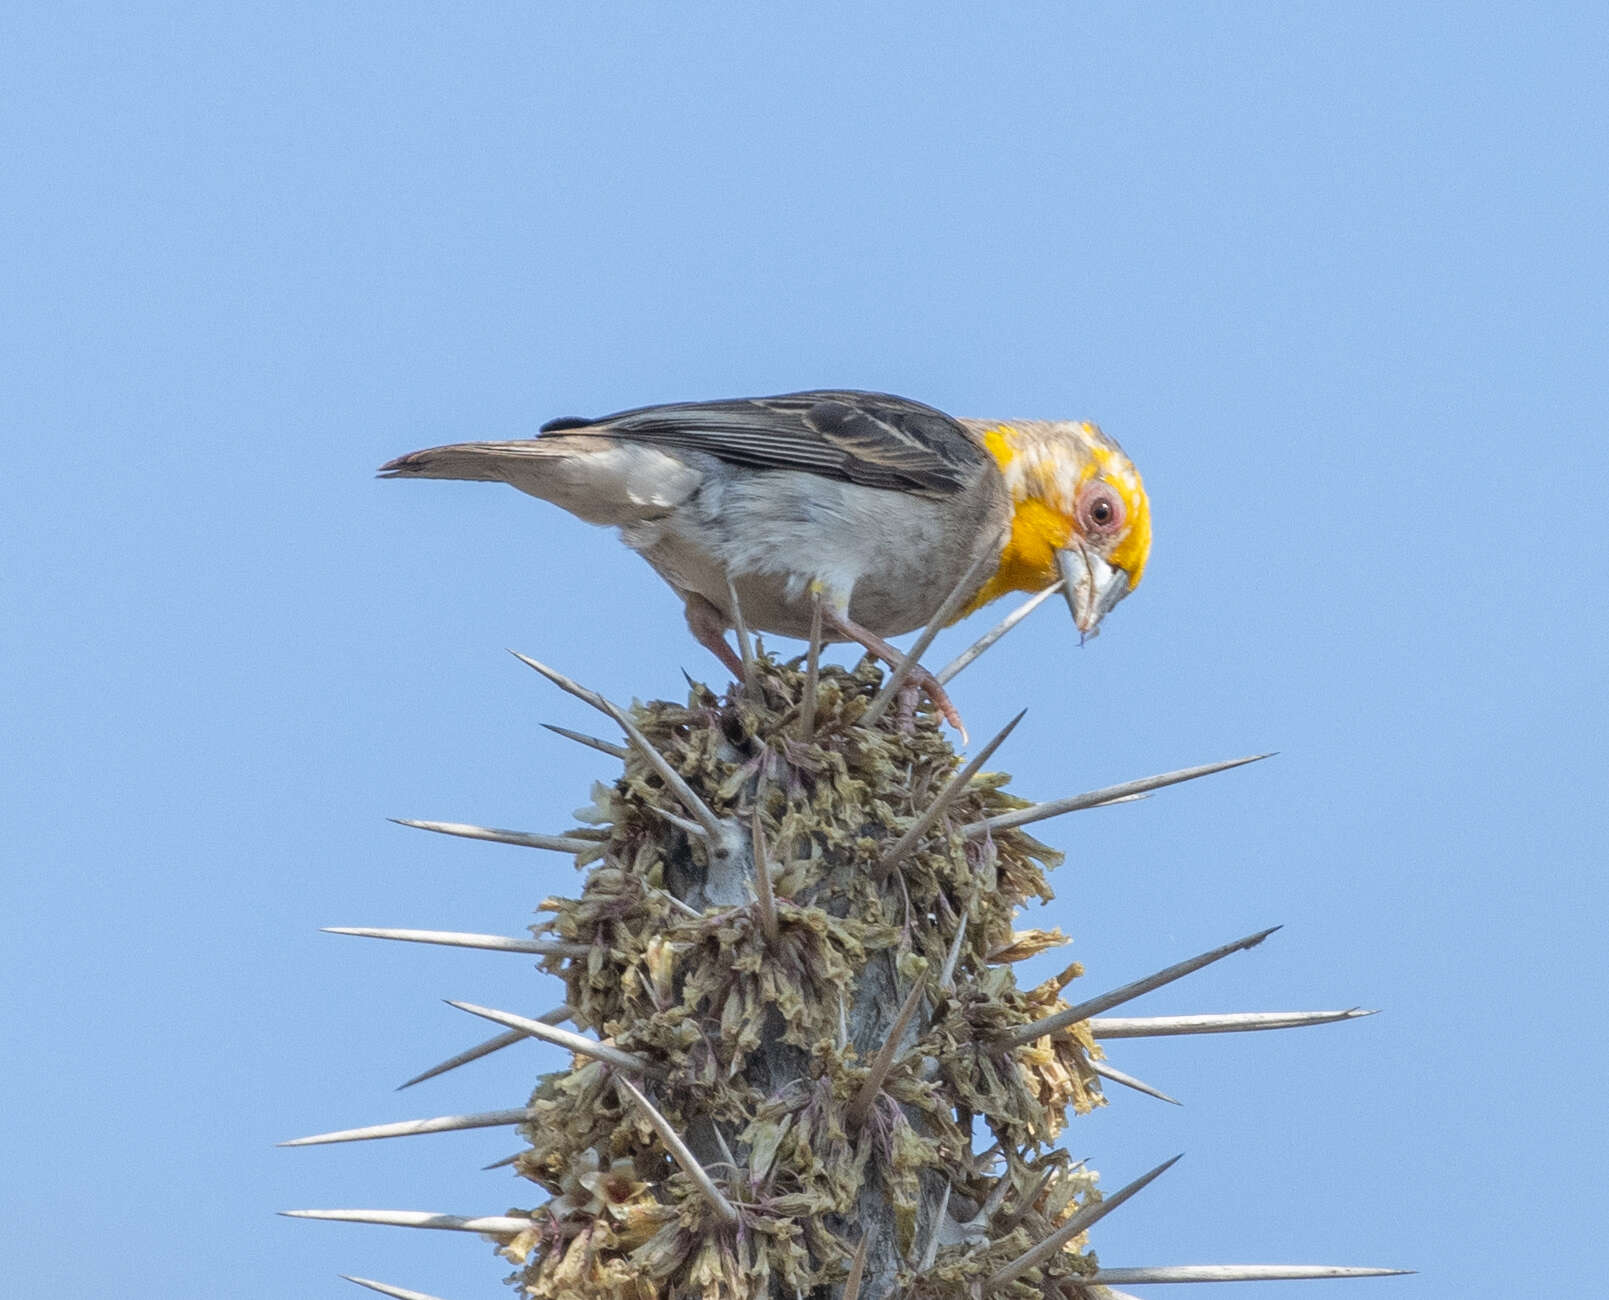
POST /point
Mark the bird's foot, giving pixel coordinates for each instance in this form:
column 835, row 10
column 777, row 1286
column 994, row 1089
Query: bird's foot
column 918, row 677
column 925, row 681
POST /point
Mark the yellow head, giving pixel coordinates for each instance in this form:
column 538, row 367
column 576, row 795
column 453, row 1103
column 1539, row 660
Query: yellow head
column 1079, row 513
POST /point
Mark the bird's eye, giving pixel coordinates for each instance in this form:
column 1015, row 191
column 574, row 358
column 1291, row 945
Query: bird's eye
column 1100, row 509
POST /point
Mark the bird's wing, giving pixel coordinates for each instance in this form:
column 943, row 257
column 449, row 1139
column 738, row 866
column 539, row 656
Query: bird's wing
column 869, row 438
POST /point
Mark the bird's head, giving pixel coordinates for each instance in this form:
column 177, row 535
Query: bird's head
column 1078, row 512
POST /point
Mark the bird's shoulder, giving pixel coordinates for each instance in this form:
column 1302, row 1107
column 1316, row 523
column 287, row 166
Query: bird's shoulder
column 873, row 439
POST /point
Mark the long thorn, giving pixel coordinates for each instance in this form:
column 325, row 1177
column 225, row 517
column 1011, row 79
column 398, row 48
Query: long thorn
column 765, row 899
column 680, row 1152
column 1110, row 794
column 668, row 774
column 997, row 1198
column 952, row 789
column 1230, row 1273
column 940, row 620
column 557, row 1016
column 953, row 957
column 1129, row 1081
column 1038, row 1254
column 558, row 843
column 605, row 1052
column 591, row 742
column 857, row 1269
column 1232, row 1023
column 1020, row 1210
column 1106, row 1001
column 691, row 827
column 720, row 1141
column 930, row 1252
column 1124, row 798
column 745, row 644
column 1005, row 625
column 807, row 706
column 398, row 1292
column 498, row 1225
column 414, row 1127
column 681, row 905
column 457, row 939
column 883, row 1062
column 486, row 1048
column 503, row 1163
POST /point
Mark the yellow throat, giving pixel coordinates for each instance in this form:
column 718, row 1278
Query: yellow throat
column 1044, row 470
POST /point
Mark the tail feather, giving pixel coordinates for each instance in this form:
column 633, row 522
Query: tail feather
column 594, row 478
column 481, row 462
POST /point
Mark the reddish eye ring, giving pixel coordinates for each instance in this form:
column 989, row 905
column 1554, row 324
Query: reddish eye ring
column 1100, row 510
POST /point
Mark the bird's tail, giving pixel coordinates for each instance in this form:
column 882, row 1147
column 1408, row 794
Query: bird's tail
column 594, row 478
column 481, row 462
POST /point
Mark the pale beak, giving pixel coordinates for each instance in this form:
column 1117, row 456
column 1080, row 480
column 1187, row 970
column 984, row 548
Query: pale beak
column 1093, row 587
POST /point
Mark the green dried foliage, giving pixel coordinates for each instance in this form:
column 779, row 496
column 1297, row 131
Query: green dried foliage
column 762, row 1046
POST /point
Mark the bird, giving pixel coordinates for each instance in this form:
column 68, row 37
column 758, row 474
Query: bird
column 872, row 507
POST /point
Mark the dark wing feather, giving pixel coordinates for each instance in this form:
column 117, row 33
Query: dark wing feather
column 869, row 438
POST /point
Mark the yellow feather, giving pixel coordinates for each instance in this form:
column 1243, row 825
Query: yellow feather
column 1044, row 487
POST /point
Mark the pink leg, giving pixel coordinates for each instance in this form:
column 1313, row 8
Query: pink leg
column 889, row 655
column 708, row 626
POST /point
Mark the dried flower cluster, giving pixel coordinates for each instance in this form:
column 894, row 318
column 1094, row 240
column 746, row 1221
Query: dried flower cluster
column 760, row 1043
column 804, row 1065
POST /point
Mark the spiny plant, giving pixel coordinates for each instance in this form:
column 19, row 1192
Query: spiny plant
column 801, row 1063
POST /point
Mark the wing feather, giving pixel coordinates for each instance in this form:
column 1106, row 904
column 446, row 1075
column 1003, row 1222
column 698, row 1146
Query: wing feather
column 873, row 439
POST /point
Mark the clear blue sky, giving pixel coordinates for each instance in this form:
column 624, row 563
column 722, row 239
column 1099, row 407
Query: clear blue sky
column 1334, row 274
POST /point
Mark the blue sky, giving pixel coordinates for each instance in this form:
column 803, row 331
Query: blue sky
column 1334, row 274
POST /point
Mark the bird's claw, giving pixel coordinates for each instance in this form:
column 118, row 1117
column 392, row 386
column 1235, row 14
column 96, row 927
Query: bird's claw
column 941, row 699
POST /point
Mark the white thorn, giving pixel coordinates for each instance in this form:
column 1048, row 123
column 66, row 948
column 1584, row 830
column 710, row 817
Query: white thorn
column 1230, row 1273
column 997, row 1198
column 680, row 1152
column 857, row 1269
column 965, row 658
column 765, row 899
column 952, row 789
column 1228, row 1023
column 1038, row 1254
column 1095, row 798
column 668, row 774
column 469, row 1054
column 458, row 939
column 497, row 1225
column 591, row 742
column 953, row 957
column 1129, row 1081
column 745, row 644
column 414, row 1127
column 883, row 1062
column 525, row 839
column 931, row 1251
column 398, row 1292
column 557, row 1016
column 605, row 1052
column 1106, row 1001
column 691, row 827
column 681, row 905
column 807, row 705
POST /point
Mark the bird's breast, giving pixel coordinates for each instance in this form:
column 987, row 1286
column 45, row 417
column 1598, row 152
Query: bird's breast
column 893, row 556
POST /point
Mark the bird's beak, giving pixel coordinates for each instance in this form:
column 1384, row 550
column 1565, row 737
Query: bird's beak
column 1093, row 587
